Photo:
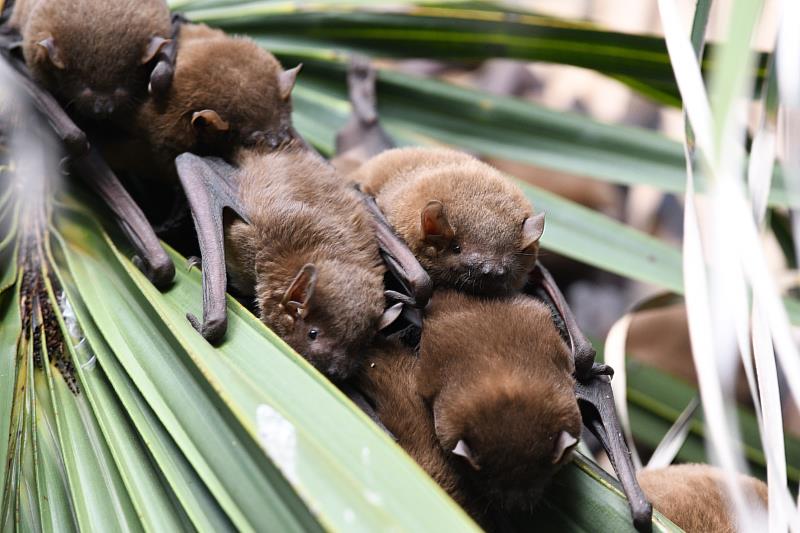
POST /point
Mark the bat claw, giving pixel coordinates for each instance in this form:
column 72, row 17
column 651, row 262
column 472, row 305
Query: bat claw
column 212, row 330
column 193, row 262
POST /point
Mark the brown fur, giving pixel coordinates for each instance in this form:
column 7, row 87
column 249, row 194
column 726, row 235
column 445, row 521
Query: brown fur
column 388, row 379
column 101, row 44
column 232, row 76
column 485, row 210
column 693, row 496
column 302, row 212
column 498, row 375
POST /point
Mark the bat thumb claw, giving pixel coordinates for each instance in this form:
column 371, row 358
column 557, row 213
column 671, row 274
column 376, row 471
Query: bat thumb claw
column 194, row 322
column 211, row 330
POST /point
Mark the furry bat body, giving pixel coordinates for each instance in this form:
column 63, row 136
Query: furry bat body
column 694, row 497
column 488, row 408
column 227, row 93
column 95, row 56
column 307, row 254
column 466, row 223
column 499, row 379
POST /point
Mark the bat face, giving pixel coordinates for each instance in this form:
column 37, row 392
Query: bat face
column 227, row 92
column 96, row 55
column 328, row 313
column 467, row 224
column 499, row 379
column 480, row 249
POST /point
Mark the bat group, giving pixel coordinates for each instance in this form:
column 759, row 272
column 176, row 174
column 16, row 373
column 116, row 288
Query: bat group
column 483, row 394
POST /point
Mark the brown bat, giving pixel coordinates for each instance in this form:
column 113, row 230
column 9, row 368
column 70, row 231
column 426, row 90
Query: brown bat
column 694, row 497
column 306, row 251
column 470, row 227
column 96, row 56
column 499, row 379
column 227, row 93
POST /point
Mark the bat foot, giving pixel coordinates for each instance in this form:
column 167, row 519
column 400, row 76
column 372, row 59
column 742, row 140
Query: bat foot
column 212, row 330
column 160, row 272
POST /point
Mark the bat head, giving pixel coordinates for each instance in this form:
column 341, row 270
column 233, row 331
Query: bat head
column 96, row 58
column 476, row 231
column 226, row 92
column 511, row 435
column 499, row 378
column 329, row 312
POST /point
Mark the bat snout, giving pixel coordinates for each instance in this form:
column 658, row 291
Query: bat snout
column 103, row 106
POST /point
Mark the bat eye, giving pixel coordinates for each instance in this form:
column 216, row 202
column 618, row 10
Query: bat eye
column 312, row 333
column 456, row 248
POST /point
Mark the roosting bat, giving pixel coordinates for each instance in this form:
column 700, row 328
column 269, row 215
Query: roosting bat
column 227, row 93
column 466, row 223
column 499, row 379
column 95, row 56
column 694, row 496
column 86, row 66
column 305, row 249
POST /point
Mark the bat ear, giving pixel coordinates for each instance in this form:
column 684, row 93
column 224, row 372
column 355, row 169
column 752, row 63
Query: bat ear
column 286, row 81
column 389, row 316
column 436, row 229
column 208, row 118
column 463, row 450
column 565, row 443
column 298, row 295
column 532, row 230
column 153, row 48
column 52, row 51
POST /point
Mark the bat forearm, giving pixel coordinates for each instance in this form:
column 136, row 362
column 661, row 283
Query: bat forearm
column 152, row 259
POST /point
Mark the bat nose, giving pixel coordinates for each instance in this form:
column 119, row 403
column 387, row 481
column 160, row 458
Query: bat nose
column 103, row 106
column 493, row 270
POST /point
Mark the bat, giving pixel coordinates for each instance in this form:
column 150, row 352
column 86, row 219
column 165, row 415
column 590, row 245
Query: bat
column 469, row 227
column 226, row 93
column 694, row 496
column 499, row 379
column 305, row 251
column 95, row 56
column 48, row 60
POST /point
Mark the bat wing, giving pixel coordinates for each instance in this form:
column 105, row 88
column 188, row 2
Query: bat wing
column 596, row 400
column 363, row 136
column 209, row 188
column 415, row 281
column 151, row 258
